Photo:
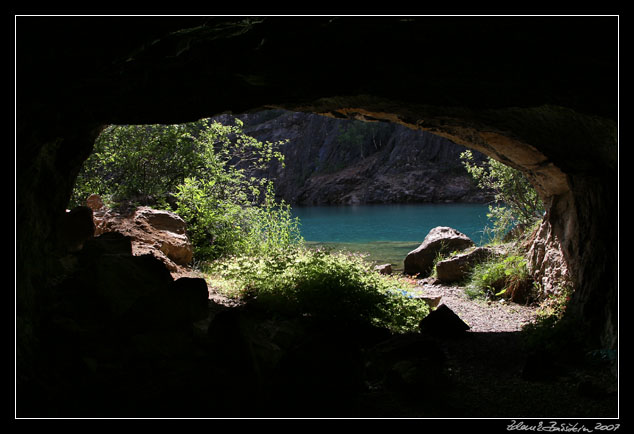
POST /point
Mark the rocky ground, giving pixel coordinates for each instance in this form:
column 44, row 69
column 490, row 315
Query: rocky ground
column 482, row 316
column 126, row 336
column 486, row 372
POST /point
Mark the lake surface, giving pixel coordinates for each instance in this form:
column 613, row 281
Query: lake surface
column 387, row 232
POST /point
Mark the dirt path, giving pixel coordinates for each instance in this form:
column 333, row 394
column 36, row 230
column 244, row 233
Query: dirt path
column 481, row 316
column 483, row 372
column 485, row 368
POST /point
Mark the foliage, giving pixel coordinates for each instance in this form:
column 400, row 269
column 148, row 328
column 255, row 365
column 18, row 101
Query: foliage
column 221, row 223
column 497, row 277
column 207, row 167
column 227, row 210
column 129, row 161
column 356, row 135
column 517, row 201
column 555, row 304
column 322, row 284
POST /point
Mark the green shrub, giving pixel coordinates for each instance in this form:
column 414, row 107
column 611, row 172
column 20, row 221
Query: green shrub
column 517, row 201
column 498, row 277
column 208, row 168
column 324, row 285
column 130, row 161
column 222, row 224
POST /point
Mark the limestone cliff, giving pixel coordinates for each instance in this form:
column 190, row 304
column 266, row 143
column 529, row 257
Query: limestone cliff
column 341, row 161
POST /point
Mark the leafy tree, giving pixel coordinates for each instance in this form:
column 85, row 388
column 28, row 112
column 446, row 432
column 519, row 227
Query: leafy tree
column 207, row 167
column 517, row 201
column 134, row 161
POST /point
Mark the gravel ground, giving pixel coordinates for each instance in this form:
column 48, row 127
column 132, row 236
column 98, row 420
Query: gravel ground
column 484, row 371
column 485, row 368
column 481, row 316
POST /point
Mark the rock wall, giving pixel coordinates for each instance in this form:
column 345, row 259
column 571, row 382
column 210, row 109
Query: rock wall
column 342, row 161
column 547, row 262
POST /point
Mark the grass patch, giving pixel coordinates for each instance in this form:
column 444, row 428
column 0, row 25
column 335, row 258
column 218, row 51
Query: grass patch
column 322, row 284
column 504, row 276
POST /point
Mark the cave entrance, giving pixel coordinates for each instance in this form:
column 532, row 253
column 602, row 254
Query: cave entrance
column 380, row 187
column 544, row 105
column 488, row 359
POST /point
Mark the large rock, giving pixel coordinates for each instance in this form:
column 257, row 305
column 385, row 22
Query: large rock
column 547, row 262
column 192, row 295
column 157, row 232
column 440, row 240
column 169, row 231
column 458, row 267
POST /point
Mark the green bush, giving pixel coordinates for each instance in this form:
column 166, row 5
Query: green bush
column 498, row 277
column 517, row 201
column 132, row 161
column 332, row 286
column 221, row 223
column 208, row 168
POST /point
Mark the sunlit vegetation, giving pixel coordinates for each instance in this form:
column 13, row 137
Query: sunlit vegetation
column 246, row 242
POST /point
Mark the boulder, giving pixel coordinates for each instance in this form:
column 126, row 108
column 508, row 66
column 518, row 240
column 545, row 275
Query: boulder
column 168, row 231
column 122, row 280
column 157, row 232
column 457, row 267
column 161, row 220
column 547, row 262
column 440, row 240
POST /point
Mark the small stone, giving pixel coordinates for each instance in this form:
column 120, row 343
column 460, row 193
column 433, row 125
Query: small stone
column 94, row 202
column 432, row 302
column 384, row 268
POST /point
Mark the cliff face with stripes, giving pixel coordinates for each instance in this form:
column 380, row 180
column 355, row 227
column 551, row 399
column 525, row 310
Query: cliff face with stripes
column 337, row 161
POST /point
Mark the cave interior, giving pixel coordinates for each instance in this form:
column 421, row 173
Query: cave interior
column 537, row 93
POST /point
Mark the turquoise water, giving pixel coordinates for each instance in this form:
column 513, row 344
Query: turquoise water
column 387, row 232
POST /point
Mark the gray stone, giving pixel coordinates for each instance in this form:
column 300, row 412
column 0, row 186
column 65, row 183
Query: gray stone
column 432, row 302
column 384, row 268
column 440, row 240
column 458, row 267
